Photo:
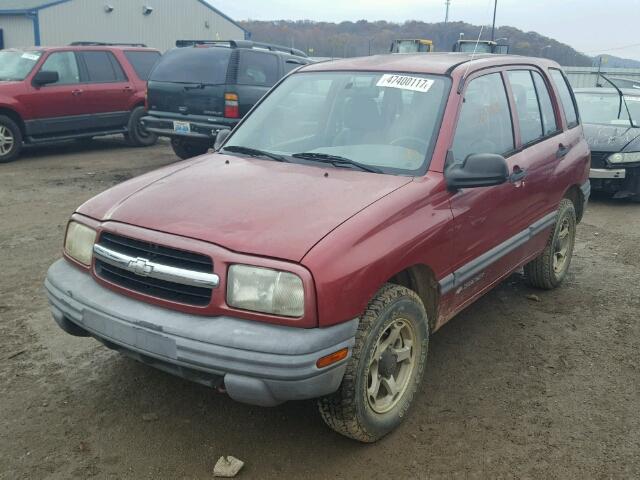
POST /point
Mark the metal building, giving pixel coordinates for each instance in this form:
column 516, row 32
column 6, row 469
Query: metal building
column 589, row 77
column 156, row 23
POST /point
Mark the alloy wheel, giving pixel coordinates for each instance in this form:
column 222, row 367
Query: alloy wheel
column 391, row 366
column 562, row 246
column 7, row 140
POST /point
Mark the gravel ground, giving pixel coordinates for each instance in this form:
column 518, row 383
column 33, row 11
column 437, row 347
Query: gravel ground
column 515, row 388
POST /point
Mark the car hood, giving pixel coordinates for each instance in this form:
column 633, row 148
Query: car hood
column 610, row 138
column 252, row 206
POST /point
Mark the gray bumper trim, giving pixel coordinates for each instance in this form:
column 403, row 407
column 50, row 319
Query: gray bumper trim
column 261, row 364
column 617, row 173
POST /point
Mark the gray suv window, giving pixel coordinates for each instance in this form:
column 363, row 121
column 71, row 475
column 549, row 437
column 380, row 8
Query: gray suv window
column 206, row 65
column 65, row 64
column 484, row 125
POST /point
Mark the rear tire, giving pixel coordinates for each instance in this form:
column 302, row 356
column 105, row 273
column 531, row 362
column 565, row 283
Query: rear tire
column 185, row 149
column 385, row 369
column 10, row 140
column 549, row 269
column 138, row 136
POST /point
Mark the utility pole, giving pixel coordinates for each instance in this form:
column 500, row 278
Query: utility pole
column 493, row 26
column 446, row 15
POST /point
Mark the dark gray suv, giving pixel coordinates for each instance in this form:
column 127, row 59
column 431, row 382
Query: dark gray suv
column 203, row 87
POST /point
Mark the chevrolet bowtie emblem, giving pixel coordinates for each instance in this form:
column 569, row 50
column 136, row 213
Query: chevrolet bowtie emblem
column 141, row 266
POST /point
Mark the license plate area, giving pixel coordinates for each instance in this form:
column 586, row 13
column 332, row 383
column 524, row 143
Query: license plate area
column 181, row 127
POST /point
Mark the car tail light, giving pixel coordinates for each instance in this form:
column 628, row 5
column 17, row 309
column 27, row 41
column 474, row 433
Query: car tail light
column 231, row 106
column 146, row 99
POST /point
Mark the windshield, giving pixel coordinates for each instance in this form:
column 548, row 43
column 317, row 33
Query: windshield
column 388, row 122
column 17, row 64
column 206, row 65
column 605, row 108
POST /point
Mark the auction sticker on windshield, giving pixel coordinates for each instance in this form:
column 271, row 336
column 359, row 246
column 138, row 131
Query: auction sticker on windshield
column 405, row 82
column 31, row 56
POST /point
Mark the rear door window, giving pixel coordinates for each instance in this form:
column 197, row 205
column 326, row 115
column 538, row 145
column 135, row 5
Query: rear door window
column 65, row 64
column 206, row 65
column 566, row 97
column 484, row 125
column 102, row 67
column 546, row 107
column 258, row 68
column 142, row 62
column 527, row 108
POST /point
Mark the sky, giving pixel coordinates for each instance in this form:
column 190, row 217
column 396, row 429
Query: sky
column 590, row 26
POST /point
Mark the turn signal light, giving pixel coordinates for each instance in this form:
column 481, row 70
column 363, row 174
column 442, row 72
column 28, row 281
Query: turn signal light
column 332, row 358
column 231, row 105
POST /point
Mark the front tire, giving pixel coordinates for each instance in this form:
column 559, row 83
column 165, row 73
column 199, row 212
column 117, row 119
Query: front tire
column 137, row 135
column 549, row 269
column 10, row 140
column 186, row 150
column 385, row 369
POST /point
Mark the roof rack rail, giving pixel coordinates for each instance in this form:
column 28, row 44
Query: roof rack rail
column 105, row 44
column 242, row 44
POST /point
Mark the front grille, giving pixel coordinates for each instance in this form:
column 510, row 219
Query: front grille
column 598, row 159
column 175, row 292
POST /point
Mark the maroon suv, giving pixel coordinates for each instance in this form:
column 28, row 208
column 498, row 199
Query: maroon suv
column 359, row 207
column 64, row 93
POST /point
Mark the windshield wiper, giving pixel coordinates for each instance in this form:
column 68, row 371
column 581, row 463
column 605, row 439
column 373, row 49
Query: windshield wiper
column 254, row 152
column 336, row 161
column 622, row 100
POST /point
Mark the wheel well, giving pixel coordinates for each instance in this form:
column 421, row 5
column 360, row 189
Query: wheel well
column 13, row 115
column 577, row 198
column 421, row 280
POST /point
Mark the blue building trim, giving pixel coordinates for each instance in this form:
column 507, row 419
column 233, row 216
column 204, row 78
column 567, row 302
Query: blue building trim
column 36, row 28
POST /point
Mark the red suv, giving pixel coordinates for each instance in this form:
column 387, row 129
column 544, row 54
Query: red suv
column 64, row 93
column 357, row 208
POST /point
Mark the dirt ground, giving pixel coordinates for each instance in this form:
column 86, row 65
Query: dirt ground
column 515, row 388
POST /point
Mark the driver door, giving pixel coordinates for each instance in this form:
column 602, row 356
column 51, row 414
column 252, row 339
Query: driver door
column 487, row 219
column 55, row 107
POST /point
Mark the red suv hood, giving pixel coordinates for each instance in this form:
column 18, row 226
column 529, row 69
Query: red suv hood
column 253, row 206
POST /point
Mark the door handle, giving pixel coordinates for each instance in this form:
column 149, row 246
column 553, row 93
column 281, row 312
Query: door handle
column 562, row 151
column 75, row 93
column 128, row 89
column 518, row 175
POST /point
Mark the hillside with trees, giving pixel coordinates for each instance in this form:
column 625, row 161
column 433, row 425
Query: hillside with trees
column 351, row 39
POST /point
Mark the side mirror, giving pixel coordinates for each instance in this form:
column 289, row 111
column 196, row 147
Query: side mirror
column 220, row 138
column 45, row 77
column 478, row 170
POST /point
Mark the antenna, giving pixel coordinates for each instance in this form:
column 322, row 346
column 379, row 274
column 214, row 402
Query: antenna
column 446, row 15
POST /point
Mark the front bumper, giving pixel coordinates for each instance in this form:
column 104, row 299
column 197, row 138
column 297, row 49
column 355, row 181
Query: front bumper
column 258, row 363
column 600, row 173
column 200, row 128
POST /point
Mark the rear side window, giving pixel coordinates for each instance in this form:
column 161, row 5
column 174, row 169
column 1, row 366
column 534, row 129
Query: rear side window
column 102, row 67
column 193, row 65
column 484, row 125
column 546, row 107
column 65, row 64
column 257, row 68
column 142, row 62
column 566, row 98
column 527, row 109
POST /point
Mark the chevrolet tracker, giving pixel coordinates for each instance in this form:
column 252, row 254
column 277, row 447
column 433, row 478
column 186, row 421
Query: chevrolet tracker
column 357, row 208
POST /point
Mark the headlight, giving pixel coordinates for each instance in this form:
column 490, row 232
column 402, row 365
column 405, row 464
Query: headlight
column 632, row 157
column 265, row 290
column 79, row 242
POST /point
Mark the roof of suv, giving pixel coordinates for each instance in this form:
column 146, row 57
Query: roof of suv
column 89, row 48
column 435, row 63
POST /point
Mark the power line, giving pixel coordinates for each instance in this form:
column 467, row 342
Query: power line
column 614, row 48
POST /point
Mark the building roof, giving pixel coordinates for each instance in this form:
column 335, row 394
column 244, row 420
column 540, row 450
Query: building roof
column 20, row 6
